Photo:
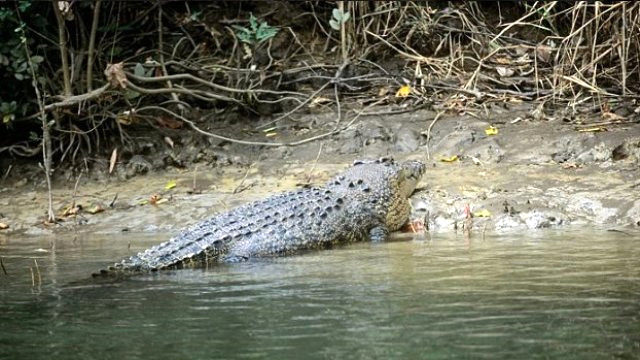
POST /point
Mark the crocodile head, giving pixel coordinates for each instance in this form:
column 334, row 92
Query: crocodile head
column 380, row 177
column 409, row 175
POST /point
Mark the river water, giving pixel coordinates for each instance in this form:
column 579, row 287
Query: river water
column 548, row 294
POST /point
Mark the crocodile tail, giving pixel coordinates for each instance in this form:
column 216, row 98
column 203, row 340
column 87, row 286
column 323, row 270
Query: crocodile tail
column 197, row 244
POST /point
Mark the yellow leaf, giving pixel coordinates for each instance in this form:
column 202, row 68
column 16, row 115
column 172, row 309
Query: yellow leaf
column 70, row 210
column 403, row 91
column 491, row 130
column 482, row 213
column 449, row 159
column 161, row 201
column 112, row 161
column 95, row 209
column 3, row 226
column 170, row 185
column 593, row 129
column 271, row 134
column 319, row 101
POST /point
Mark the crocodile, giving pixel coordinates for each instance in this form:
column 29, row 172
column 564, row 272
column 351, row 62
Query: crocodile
column 365, row 202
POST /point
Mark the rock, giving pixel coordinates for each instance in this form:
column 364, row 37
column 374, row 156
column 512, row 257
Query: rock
column 453, row 142
column 581, row 205
column 600, row 152
column 487, row 151
column 137, row 165
column 538, row 219
column 406, row 140
column 353, row 145
column 507, row 222
column 629, row 150
column 633, row 214
column 443, row 223
column 376, row 134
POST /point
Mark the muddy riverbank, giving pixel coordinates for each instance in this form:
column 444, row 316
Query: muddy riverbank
column 509, row 169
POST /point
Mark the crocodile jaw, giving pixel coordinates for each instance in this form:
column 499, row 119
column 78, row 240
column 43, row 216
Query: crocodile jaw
column 412, row 172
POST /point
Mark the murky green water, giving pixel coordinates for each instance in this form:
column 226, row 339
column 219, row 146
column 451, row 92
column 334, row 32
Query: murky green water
column 562, row 294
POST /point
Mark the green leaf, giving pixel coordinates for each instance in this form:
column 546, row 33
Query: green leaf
column 257, row 33
column 242, row 28
column 195, row 16
column 130, row 94
column 253, row 22
column 265, row 32
column 334, row 24
column 139, row 70
column 19, row 76
column 22, row 67
column 23, row 5
column 339, row 18
column 7, row 118
column 37, row 59
column 337, row 14
column 245, row 38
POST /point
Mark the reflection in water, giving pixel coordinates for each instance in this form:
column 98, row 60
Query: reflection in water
column 550, row 294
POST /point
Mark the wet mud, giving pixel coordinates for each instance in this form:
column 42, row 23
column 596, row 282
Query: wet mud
column 535, row 172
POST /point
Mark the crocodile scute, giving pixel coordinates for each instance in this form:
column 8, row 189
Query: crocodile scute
column 364, row 202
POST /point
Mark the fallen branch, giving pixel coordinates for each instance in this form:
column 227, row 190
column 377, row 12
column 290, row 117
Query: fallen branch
column 69, row 101
column 200, row 94
column 208, row 83
column 438, row 115
column 246, row 142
